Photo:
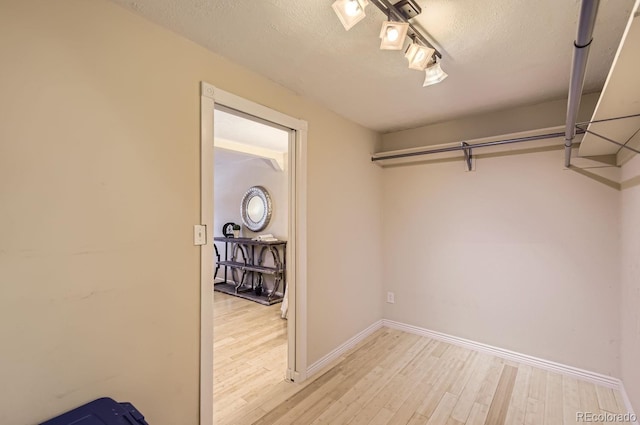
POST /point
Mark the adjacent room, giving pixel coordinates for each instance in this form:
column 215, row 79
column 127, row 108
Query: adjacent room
column 439, row 225
column 251, row 197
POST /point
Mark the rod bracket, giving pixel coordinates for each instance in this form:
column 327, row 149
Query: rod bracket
column 468, row 155
column 409, row 8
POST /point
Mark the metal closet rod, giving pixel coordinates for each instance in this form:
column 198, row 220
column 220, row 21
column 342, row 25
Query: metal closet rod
column 579, row 130
column 474, row 146
column 387, row 8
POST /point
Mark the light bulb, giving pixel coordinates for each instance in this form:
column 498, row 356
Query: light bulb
column 392, row 34
column 419, row 56
column 352, row 8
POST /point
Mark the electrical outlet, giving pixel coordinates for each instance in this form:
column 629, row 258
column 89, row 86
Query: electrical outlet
column 391, row 297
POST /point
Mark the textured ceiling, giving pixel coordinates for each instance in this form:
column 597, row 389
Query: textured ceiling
column 498, row 53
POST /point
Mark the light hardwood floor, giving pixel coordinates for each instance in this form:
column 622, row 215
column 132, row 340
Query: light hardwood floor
column 249, row 354
column 394, row 377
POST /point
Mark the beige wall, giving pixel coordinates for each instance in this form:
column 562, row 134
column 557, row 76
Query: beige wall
column 520, row 254
column 345, row 236
column 630, row 293
column 99, row 176
column 513, row 120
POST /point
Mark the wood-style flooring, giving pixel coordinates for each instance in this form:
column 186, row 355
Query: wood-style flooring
column 394, row 377
column 249, row 354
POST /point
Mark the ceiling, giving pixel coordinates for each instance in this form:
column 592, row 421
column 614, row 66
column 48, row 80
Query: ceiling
column 498, row 53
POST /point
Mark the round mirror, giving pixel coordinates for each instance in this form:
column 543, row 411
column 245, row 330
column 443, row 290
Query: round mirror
column 255, row 208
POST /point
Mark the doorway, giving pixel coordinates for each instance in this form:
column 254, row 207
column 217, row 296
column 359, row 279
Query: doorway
column 250, row 223
column 215, row 103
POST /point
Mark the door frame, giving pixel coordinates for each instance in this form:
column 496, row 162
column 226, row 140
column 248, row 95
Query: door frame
column 297, row 244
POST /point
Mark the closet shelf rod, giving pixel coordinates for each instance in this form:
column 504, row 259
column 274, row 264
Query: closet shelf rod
column 473, row 146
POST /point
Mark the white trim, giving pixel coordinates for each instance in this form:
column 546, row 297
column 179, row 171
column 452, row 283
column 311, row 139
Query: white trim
column 297, row 312
column 297, row 266
column 343, row 348
column 585, row 375
column 206, row 262
column 627, row 402
column 241, row 104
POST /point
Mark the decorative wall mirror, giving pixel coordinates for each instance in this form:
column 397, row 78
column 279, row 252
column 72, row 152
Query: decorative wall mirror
column 255, row 208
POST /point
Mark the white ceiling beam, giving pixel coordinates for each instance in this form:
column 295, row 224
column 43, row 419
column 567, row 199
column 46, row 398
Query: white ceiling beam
column 275, row 158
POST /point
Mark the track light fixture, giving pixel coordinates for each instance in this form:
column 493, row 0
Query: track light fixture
column 350, row 12
column 434, row 74
column 421, row 54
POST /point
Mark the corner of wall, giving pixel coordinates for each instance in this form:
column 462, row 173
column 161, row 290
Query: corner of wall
column 630, row 280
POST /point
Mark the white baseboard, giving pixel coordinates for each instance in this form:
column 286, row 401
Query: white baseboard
column 627, row 402
column 343, row 348
column 585, row 375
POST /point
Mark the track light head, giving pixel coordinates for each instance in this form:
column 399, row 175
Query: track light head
column 419, row 56
column 434, row 75
column 350, row 12
column 393, row 35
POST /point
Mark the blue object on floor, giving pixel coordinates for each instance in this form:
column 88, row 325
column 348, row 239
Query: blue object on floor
column 103, row 411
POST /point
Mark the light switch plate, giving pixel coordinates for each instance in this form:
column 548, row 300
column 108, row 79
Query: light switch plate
column 199, row 234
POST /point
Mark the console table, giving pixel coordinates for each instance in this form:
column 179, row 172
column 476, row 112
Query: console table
column 247, row 257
